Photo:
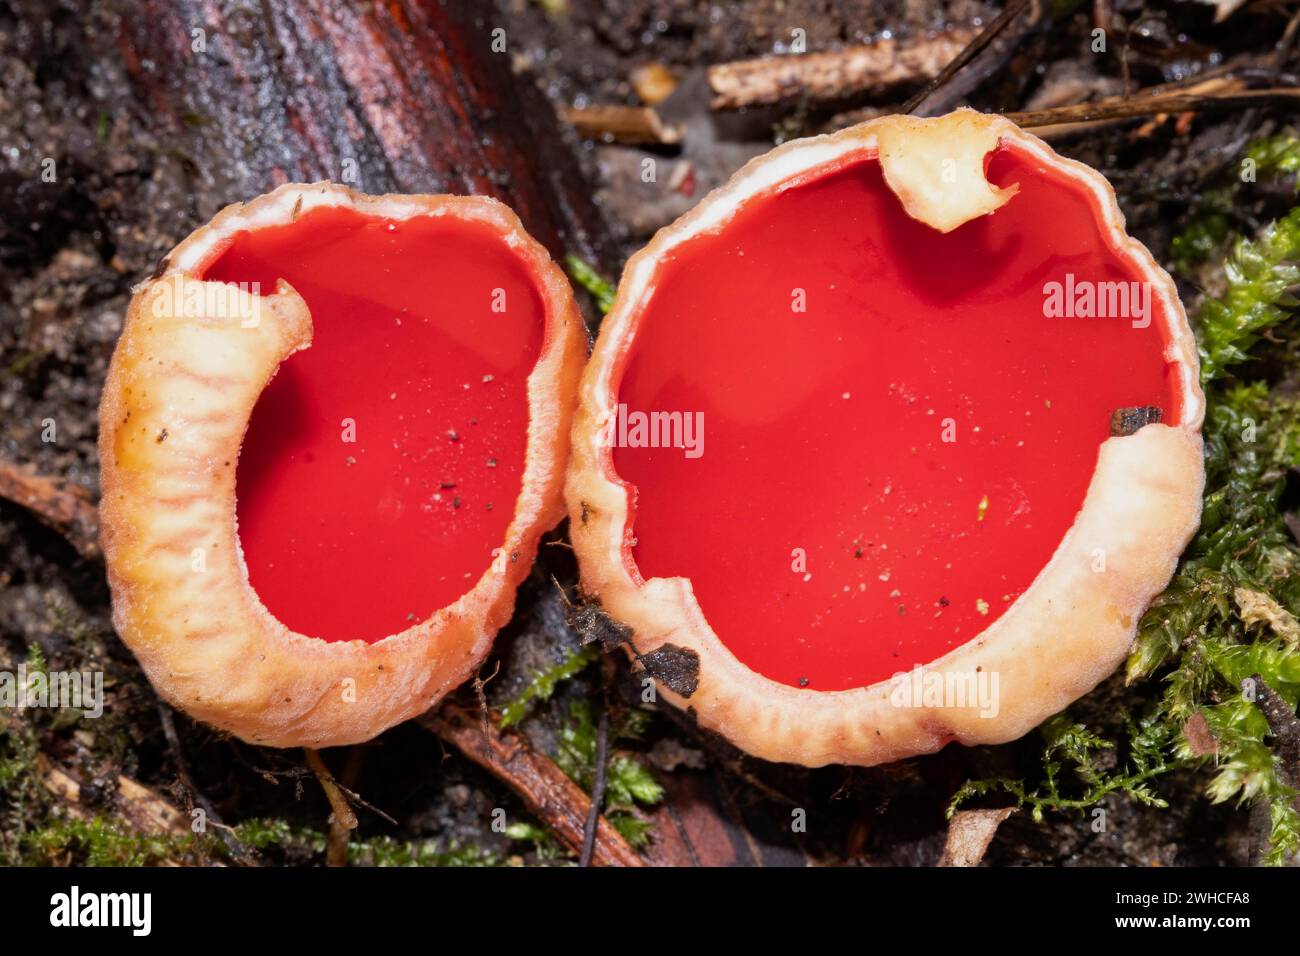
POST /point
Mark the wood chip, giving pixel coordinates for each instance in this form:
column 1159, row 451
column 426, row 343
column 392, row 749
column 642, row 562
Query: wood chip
column 622, row 124
column 836, row 74
column 653, row 83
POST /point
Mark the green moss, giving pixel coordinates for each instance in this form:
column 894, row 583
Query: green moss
column 544, row 682
column 385, row 851
column 1073, row 777
column 1210, row 225
column 24, row 801
column 1204, row 238
column 100, row 841
column 304, row 844
column 583, row 273
column 628, row 781
column 1260, row 274
column 1276, row 155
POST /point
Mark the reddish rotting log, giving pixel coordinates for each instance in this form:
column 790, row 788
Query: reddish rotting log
column 415, row 96
column 555, row 799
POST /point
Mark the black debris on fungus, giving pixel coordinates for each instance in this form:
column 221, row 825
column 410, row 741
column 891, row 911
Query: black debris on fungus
column 677, row 668
column 1126, row 421
column 595, row 626
column 163, row 263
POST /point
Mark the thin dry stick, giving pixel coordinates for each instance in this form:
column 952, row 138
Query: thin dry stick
column 1280, row 52
column 63, row 506
column 543, row 787
column 342, row 820
column 1156, row 105
column 1284, row 726
column 227, row 834
column 597, row 787
column 968, row 53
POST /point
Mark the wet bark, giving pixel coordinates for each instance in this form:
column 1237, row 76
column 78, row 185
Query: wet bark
column 409, row 96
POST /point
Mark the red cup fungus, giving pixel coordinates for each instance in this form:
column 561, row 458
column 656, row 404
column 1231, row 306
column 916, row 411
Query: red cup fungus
column 306, row 549
column 888, row 443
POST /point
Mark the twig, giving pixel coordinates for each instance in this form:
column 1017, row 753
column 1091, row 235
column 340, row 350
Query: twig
column 622, row 124
column 342, row 820
column 232, row 842
column 1283, row 49
column 480, row 694
column 348, row 783
column 59, row 504
column 1209, row 84
column 543, row 787
column 597, row 787
column 968, row 53
column 1285, row 728
column 1154, row 105
column 833, row 75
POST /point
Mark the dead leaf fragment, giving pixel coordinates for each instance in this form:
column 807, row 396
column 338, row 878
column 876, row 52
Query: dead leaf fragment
column 969, row 834
column 1258, row 608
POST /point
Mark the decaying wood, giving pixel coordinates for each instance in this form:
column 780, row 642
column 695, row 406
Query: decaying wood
column 415, row 97
column 834, row 75
column 63, row 506
column 969, row 834
column 143, row 809
column 623, row 124
column 543, row 787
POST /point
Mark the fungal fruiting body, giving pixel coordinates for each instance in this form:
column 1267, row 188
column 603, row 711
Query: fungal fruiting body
column 333, row 431
column 893, row 437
